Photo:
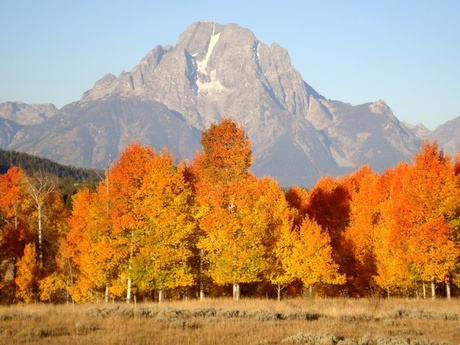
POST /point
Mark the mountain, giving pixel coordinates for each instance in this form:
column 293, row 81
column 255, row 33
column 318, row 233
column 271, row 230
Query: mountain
column 217, row 71
column 448, row 136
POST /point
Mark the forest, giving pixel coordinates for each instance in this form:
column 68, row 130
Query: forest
column 154, row 228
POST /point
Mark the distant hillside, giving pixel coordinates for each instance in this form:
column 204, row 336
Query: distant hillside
column 70, row 178
column 31, row 164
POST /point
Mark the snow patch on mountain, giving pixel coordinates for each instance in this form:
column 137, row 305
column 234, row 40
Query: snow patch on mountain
column 208, row 81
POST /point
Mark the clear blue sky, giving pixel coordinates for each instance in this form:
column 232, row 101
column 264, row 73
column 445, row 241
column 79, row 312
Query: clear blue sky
column 404, row 52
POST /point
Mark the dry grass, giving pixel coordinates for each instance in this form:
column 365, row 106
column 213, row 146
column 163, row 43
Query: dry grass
column 322, row 321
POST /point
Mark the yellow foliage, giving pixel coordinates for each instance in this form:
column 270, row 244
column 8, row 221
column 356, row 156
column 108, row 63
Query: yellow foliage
column 26, row 279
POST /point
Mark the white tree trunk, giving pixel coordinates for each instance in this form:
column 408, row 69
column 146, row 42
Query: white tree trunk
column 107, row 213
column 40, row 187
column 201, row 276
column 236, row 291
column 71, row 278
column 128, row 290
column 161, row 296
column 424, row 290
column 433, row 288
column 107, row 285
column 40, row 235
column 279, row 291
column 448, row 293
column 130, row 268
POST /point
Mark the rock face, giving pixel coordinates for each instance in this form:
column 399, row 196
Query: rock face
column 217, row 71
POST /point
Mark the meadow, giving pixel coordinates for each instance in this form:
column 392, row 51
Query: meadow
column 342, row 321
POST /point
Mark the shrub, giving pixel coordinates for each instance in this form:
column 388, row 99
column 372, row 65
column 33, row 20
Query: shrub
column 392, row 323
column 356, row 318
column 264, row 315
column 400, row 312
column 34, row 333
column 390, row 341
column 204, row 312
column 312, row 339
column 11, row 316
column 303, row 316
column 172, row 314
column 84, row 327
column 347, row 342
column 183, row 324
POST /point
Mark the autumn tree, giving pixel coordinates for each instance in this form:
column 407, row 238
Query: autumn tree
column 279, row 219
column 432, row 194
column 329, row 206
column 14, row 234
column 311, row 256
column 89, row 246
column 235, row 236
column 365, row 200
column 415, row 241
column 232, row 244
column 126, row 198
column 226, row 154
column 163, row 260
column 393, row 272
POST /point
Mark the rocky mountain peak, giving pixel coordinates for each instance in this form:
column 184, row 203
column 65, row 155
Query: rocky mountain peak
column 210, row 73
column 381, row 108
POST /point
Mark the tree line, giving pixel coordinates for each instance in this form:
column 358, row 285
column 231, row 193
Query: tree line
column 154, row 227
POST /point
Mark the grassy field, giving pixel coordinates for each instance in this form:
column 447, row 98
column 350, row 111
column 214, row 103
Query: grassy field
column 297, row 321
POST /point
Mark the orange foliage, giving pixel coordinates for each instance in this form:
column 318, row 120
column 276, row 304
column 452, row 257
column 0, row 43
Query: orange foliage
column 457, row 164
column 297, row 199
column 415, row 241
column 364, row 218
column 159, row 225
column 329, row 206
column 13, row 210
column 226, row 152
column 90, row 245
